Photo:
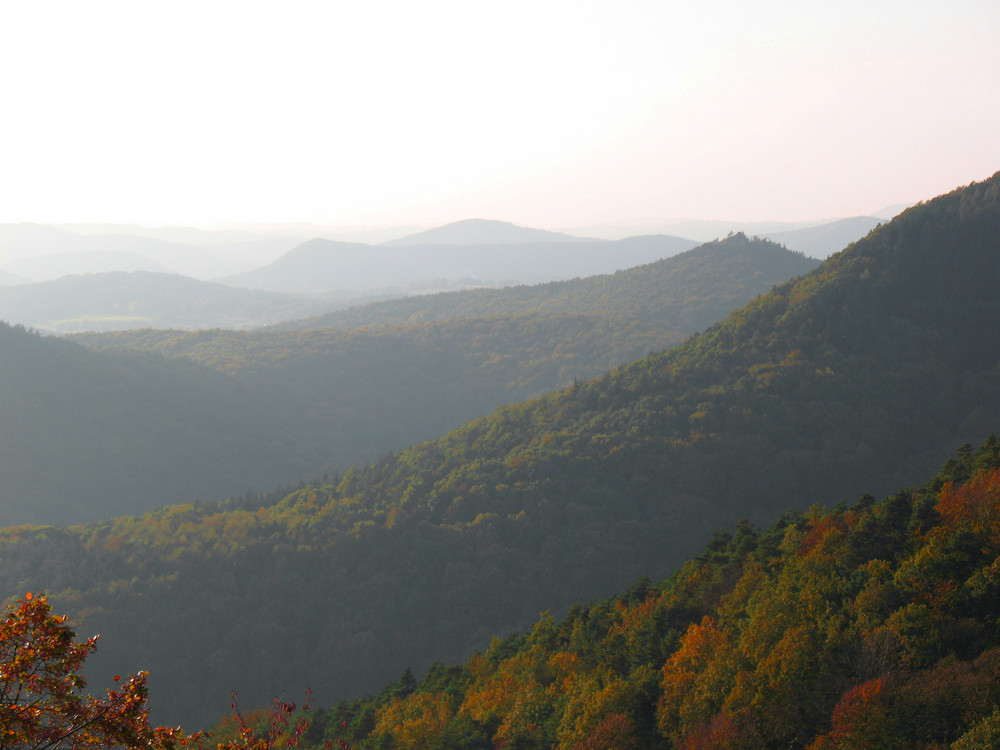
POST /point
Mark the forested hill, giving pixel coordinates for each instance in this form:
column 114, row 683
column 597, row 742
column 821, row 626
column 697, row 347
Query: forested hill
column 860, row 377
column 868, row 370
column 113, row 433
column 116, row 300
column 689, row 291
column 321, row 264
column 869, row 626
column 121, row 432
column 88, row 435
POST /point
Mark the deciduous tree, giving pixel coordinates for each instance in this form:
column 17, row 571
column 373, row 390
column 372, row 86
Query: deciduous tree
column 42, row 704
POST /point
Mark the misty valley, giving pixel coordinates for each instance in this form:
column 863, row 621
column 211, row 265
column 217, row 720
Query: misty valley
column 487, row 486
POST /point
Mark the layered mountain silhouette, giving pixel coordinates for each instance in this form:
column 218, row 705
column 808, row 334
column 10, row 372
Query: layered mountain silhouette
column 110, row 433
column 41, row 252
column 322, row 264
column 688, row 291
column 90, row 435
column 12, row 279
column 822, row 240
column 141, row 299
column 861, row 376
column 480, row 232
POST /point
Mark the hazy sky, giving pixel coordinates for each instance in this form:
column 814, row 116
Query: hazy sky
column 550, row 114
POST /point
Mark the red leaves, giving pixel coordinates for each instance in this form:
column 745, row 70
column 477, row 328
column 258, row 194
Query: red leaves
column 259, row 732
column 41, row 706
column 819, row 530
column 40, row 701
column 975, row 504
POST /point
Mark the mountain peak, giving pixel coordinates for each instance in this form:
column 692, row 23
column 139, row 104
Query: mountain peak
column 480, row 232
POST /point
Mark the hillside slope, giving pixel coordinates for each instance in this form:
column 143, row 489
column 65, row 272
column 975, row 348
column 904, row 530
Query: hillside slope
column 120, row 300
column 479, row 232
column 861, row 627
column 323, row 400
column 862, row 376
column 116, row 432
column 89, row 435
column 322, row 264
column 688, row 291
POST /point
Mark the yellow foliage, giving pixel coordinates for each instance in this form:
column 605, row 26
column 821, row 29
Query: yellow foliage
column 416, row 720
column 695, row 679
column 588, row 706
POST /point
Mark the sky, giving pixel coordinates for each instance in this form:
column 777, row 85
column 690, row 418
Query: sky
column 547, row 114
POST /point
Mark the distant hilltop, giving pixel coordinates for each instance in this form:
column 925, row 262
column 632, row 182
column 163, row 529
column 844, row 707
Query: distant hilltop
column 480, row 232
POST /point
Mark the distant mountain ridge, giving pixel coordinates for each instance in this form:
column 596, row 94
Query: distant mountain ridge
column 41, row 252
column 480, row 232
column 12, row 279
column 43, row 268
column 324, row 399
column 142, row 299
column 822, row 240
column 817, row 239
column 329, row 265
column 317, row 264
column 688, row 291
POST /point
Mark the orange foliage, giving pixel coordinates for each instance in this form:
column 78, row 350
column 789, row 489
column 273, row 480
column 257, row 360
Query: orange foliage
column 632, row 618
column 819, row 531
column 975, row 504
column 686, row 700
column 513, row 695
column 42, row 705
column 858, row 718
column 615, row 732
column 566, row 665
column 721, row 731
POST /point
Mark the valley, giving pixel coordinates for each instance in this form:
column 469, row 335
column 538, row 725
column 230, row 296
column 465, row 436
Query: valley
column 860, row 377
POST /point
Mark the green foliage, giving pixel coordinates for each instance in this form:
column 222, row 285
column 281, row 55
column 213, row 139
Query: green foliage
column 101, row 435
column 86, row 447
column 745, row 646
column 984, row 734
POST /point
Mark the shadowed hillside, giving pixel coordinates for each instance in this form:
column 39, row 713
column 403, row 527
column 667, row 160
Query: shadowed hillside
column 321, row 264
column 689, row 291
column 141, row 299
column 102, row 434
column 862, row 627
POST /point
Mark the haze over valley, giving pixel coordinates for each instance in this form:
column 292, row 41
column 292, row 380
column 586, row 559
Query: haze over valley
column 538, row 375
column 150, row 283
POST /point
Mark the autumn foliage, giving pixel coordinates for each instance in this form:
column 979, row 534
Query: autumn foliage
column 870, row 626
column 42, row 704
column 874, row 625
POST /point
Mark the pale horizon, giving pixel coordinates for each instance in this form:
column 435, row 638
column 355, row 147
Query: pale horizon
column 553, row 115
